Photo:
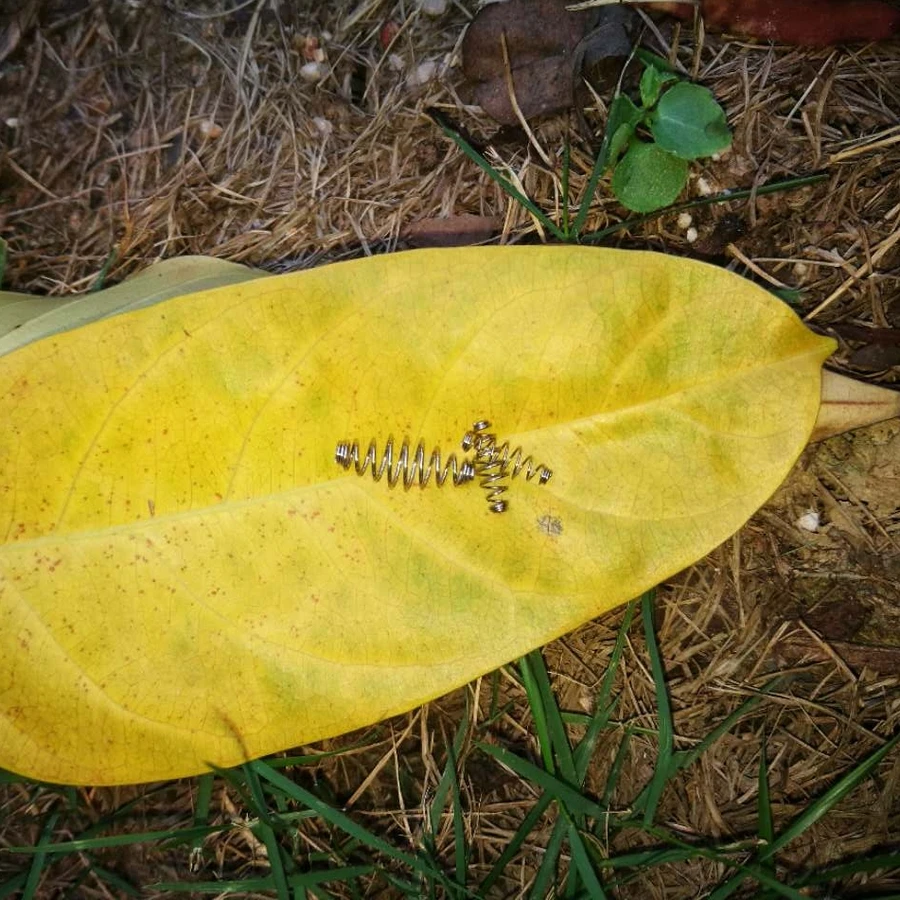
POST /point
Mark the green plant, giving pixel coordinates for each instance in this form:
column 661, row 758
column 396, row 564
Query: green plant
column 683, row 121
column 615, row 141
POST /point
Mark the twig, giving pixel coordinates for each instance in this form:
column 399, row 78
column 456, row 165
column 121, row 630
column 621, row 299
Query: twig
column 511, row 90
column 865, row 269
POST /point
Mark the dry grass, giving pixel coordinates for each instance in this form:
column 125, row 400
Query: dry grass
column 153, row 130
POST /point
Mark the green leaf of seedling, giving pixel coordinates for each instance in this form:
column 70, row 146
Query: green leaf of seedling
column 651, row 60
column 624, row 118
column 621, row 122
column 648, row 177
column 652, row 82
column 689, row 123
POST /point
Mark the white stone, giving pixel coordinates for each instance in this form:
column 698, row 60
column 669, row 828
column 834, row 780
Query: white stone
column 433, row 8
column 313, row 71
column 323, row 126
column 422, row 73
column 809, row 521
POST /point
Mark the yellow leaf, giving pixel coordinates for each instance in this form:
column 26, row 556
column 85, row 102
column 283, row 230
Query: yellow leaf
column 24, row 319
column 187, row 577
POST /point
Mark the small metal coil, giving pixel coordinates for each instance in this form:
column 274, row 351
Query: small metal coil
column 517, row 463
column 407, row 466
column 492, row 474
column 512, row 461
column 493, row 478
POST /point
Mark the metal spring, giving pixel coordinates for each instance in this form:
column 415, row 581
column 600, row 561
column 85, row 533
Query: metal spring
column 488, row 469
column 517, row 462
column 493, row 464
column 409, row 467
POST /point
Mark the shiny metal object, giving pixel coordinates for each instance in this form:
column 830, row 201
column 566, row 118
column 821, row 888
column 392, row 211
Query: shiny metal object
column 404, row 465
column 496, row 465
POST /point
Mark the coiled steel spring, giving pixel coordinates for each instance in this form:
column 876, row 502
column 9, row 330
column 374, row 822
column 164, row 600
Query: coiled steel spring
column 494, row 465
column 407, row 466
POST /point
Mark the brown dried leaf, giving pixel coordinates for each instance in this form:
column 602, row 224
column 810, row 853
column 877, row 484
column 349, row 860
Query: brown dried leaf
column 848, row 404
column 546, row 46
column 452, row 231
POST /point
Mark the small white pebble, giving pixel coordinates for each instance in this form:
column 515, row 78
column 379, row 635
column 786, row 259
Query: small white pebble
column 703, row 187
column 433, row 8
column 691, row 235
column 323, row 126
column 685, row 220
column 801, row 270
column 422, row 73
column 809, row 521
column 313, row 71
column 13, row 122
column 396, row 62
column 210, row 129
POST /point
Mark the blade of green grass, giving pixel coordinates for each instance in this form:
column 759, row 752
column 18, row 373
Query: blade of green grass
column 538, row 713
column 582, row 757
column 830, row 798
column 546, row 873
column 567, row 796
column 663, row 771
column 40, row 857
column 682, row 759
column 123, row 840
column 787, row 184
column 460, row 850
column 201, row 816
column 766, row 826
column 681, row 851
column 541, row 697
column 615, row 770
column 605, row 705
column 266, row 834
column 100, row 280
column 622, row 114
column 13, row 885
column 504, row 184
column 747, row 870
column 812, row 813
column 584, row 865
column 448, row 776
column 529, row 823
column 854, row 867
column 258, row 803
column 344, row 822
